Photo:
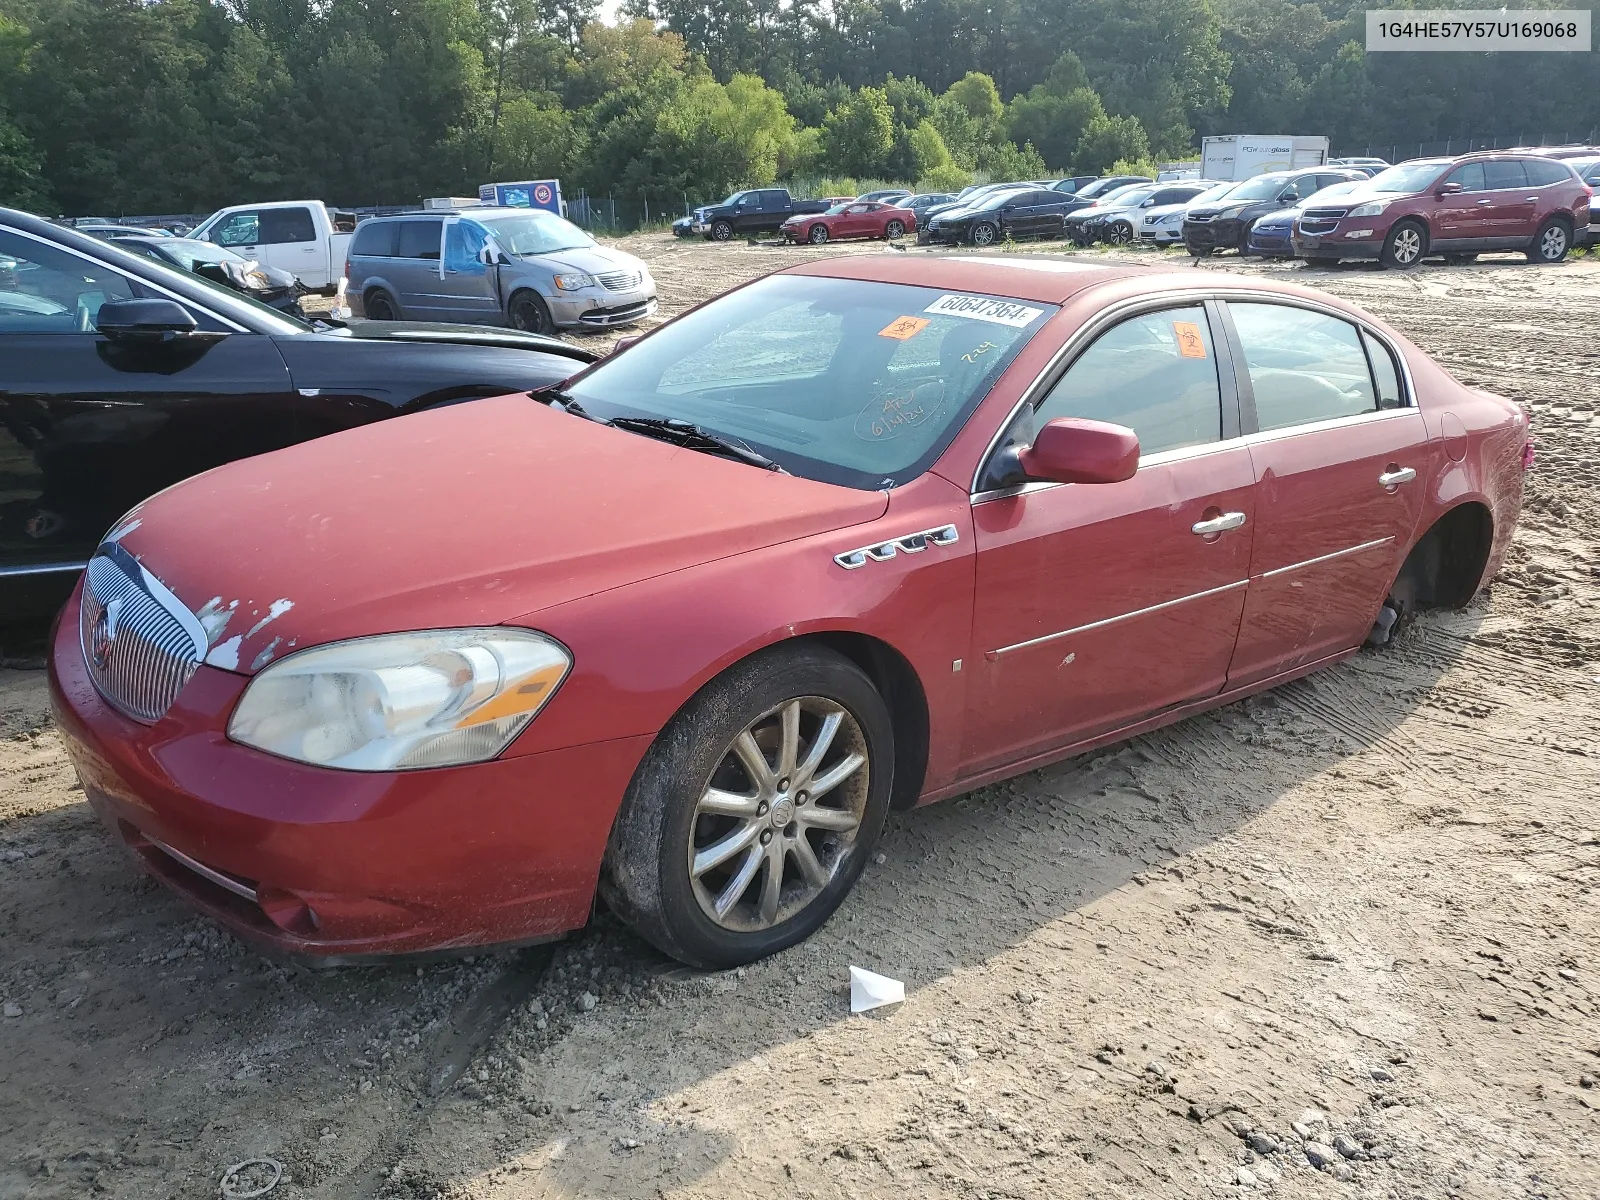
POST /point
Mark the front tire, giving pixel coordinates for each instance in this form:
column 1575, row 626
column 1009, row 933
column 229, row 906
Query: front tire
column 722, row 231
column 1406, row 244
column 754, row 811
column 984, row 234
column 894, row 229
column 378, row 307
column 818, row 235
column 531, row 314
column 1551, row 243
column 1119, row 234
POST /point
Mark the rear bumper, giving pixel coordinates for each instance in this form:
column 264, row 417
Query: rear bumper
column 336, row 864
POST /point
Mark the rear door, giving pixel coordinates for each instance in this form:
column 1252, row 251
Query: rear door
column 415, row 270
column 90, row 426
column 1513, row 206
column 1097, row 604
column 1342, row 462
column 288, row 240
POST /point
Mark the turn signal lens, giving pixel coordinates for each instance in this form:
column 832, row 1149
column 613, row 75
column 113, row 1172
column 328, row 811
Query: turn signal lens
column 401, row 700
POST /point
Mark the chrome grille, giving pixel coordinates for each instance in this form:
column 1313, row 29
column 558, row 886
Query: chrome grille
column 1199, row 216
column 620, row 281
column 1323, row 214
column 140, row 643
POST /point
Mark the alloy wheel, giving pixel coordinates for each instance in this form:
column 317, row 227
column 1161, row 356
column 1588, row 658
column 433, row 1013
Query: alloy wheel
column 819, row 234
column 779, row 814
column 1407, row 246
column 1119, row 235
column 894, row 229
column 1554, row 243
column 983, row 235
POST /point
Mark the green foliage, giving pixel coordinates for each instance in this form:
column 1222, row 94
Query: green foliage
column 1006, row 160
column 1053, row 122
column 1106, row 139
column 976, row 94
column 1148, row 167
column 949, row 178
column 858, row 134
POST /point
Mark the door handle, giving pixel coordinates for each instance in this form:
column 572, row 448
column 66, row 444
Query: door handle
column 1393, row 479
column 1220, row 524
column 1482, row 202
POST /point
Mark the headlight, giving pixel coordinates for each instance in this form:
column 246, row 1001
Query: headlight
column 1370, row 209
column 401, row 700
column 571, row 283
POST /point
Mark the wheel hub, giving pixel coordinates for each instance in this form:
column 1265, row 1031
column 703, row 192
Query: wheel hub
column 782, row 812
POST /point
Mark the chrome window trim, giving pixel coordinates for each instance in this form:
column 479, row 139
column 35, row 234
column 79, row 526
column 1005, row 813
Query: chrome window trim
column 992, row 655
column 1091, row 329
column 117, row 271
column 41, row 569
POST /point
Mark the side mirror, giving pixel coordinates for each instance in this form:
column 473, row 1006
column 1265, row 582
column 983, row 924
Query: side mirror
column 622, row 343
column 1289, row 197
column 1076, row 450
column 1448, row 189
column 144, row 320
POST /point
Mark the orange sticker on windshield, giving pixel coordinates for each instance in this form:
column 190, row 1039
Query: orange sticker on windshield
column 902, row 328
column 1190, row 343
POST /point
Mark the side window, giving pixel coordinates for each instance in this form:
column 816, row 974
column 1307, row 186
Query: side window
column 419, row 239
column 44, row 289
column 749, row 200
column 283, row 225
column 1543, row 172
column 375, row 239
column 1469, row 176
column 238, row 229
column 1156, row 374
column 1304, row 366
column 463, row 242
column 1504, row 175
column 1384, row 372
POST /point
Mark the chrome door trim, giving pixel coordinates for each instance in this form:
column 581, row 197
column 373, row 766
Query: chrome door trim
column 1160, row 458
column 121, row 274
column 1097, row 324
column 1322, row 558
column 991, row 655
column 41, row 569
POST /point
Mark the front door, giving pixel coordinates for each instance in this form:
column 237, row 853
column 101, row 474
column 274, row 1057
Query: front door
column 469, row 290
column 1462, row 218
column 90, row 426
column 1342, row 463
column 1076, row 583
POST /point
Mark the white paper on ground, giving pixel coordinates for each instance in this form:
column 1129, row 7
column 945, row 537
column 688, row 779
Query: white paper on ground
column 869, row 990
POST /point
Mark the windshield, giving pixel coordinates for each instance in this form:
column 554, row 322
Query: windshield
column 536, row 232
column 1408, row 177
column 1262, row 187
column 838, row 208
column 1127, row 196
column 846, row 381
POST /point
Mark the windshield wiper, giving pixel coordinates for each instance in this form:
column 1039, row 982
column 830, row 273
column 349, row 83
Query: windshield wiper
column 560, row 400
column 693, row 437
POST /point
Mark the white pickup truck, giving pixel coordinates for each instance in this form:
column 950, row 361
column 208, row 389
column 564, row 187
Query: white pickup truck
column 303, row 237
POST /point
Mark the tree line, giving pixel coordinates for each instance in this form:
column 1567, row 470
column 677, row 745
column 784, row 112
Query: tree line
column 152, row 106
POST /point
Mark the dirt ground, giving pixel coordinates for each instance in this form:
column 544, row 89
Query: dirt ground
column 1358, row 912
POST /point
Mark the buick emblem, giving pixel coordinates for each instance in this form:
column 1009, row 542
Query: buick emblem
column 105, row 628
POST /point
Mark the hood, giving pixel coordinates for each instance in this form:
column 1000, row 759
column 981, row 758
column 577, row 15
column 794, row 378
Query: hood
column 1166, row 210
column 463, row 335
column 1364, row 196
column 587, row 260
column 473, row 514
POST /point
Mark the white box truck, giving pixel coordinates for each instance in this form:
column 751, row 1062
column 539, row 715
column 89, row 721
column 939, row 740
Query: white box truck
column 1242, row 155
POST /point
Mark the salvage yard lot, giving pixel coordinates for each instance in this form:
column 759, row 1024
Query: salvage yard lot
column 1363, row 903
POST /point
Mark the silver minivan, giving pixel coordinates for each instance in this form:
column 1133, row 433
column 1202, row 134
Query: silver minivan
column 523, row 267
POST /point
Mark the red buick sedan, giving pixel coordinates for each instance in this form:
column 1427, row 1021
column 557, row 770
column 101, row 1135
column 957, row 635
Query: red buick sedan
column 852, row 219
column 856, row 536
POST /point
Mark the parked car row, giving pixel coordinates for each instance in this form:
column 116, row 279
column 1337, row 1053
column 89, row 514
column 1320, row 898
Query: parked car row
column 1451, row 208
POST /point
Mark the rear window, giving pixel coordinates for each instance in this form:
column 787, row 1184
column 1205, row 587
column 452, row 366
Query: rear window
column 419, row 239
column 375, row 239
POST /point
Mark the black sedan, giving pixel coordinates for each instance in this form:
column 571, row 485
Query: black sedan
column 1226, row 224
column 1021, row 213
column 122, row 376
column 272, row 286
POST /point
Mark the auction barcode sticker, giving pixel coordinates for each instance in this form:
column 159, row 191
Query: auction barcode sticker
column 985, row 308
column 1480, row 29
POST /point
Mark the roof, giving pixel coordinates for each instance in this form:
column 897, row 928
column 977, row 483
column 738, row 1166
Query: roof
column 476, row 210
column 1050, row 279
